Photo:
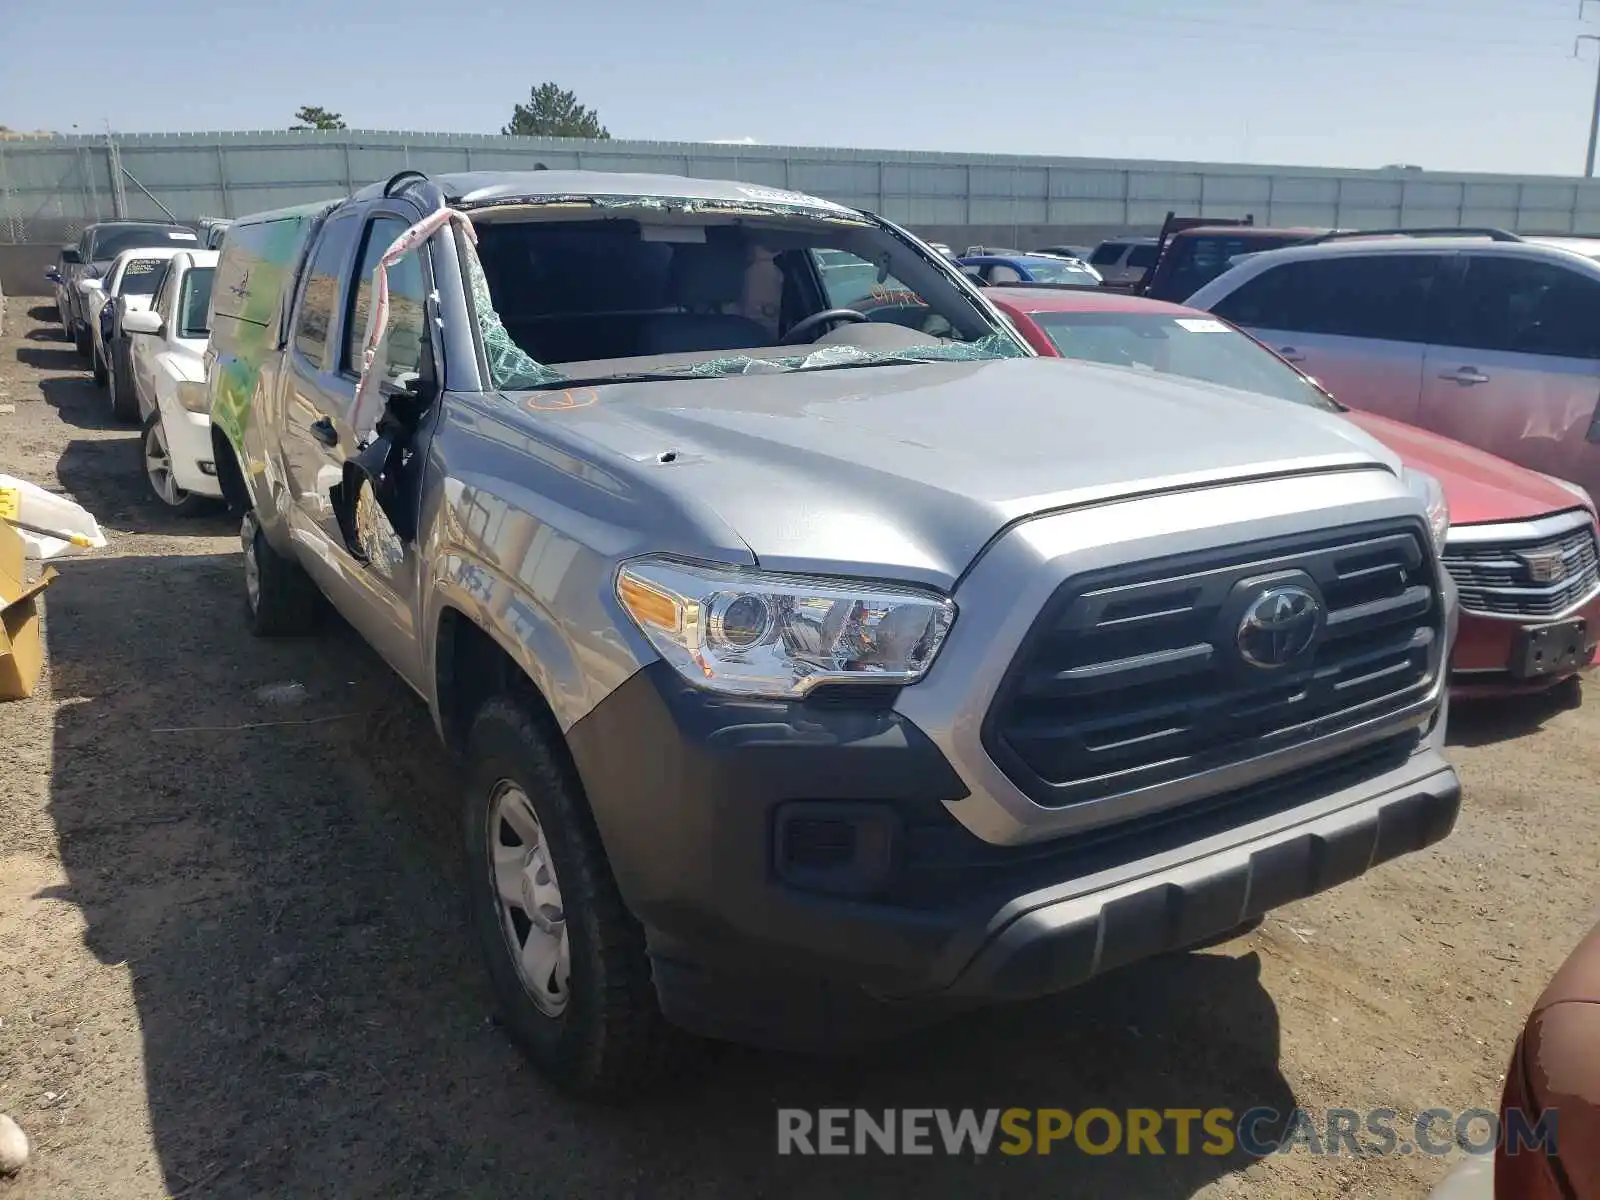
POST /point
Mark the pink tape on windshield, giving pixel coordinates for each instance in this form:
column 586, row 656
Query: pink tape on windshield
column 378, row 312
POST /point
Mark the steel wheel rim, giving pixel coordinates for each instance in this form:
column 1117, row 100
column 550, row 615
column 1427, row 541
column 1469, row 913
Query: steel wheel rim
column 158, row 466
column 252, row 568
column 527, row 899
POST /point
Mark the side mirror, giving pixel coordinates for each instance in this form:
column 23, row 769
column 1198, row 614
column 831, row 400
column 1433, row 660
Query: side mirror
column 143, row 321
column 90, row 284
column 53, row 275
column 375, row 511
column 71, row 257
column 369, row 504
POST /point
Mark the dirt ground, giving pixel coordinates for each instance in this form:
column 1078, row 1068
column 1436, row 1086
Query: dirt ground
column 233, row 962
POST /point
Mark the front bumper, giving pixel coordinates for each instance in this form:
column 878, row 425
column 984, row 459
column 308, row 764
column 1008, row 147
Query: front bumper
column 757, row 937
column 189, row 442
column 1484, row 646
column 1497, row 598
column 802, row 868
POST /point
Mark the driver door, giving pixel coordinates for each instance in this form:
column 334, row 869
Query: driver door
column 378, row 597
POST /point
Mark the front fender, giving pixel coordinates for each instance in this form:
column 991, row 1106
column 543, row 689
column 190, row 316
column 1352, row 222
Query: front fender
column 574, row 657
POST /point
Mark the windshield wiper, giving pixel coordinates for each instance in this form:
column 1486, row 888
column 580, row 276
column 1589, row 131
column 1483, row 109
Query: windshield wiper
column 556, row 385
column 765, row 366
column 894, row 360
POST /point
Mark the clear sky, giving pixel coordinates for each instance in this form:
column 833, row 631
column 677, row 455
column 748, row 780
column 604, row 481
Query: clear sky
column 1486, row 85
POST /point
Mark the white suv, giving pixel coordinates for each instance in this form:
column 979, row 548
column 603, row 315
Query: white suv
column 1123, row 262
column 1483, row 336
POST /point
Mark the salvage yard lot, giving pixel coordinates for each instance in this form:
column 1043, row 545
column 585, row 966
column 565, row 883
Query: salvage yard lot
column 233, row 960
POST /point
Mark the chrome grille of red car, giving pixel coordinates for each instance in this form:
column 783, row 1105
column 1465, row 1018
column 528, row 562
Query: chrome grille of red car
column 1541, row 577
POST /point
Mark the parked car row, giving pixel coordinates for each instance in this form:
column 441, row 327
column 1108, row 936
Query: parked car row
column 146, row 308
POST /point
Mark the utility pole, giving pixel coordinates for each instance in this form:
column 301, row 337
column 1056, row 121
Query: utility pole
column 1594, row 111
column 119, row 194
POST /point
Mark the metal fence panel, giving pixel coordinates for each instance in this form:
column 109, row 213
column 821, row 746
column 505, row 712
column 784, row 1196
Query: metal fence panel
column 56, row 184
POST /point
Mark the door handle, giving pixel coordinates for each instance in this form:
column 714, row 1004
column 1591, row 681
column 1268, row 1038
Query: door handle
column 322, row 429
column 1466, row 376
column 1290, row 354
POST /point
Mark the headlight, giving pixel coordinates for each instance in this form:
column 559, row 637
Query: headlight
column 1428, row 489
column 192, row 396
column 752, row 633
column 1583, row 497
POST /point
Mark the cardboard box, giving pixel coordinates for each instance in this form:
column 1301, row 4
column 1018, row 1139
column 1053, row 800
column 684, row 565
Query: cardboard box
column 21, row 640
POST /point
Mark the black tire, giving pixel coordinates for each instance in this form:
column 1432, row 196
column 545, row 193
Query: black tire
column 183, row 504
column 100, row 372
column 124, row 400
column 610, row 1040
column 84, row 341
column 284, row 602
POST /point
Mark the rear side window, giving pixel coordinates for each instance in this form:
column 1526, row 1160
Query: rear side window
column 1106, row 253
column 321, row 294
column 1142, row 257
column 1526, row 307
column 1389, row 297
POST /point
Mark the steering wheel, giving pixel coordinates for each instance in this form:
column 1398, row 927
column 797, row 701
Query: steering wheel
column 827, row 316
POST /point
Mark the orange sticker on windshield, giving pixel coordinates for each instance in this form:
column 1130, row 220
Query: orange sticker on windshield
column 561, row 401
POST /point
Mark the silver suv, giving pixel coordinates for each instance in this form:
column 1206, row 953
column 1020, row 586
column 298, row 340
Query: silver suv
column 1483, row 336
column 816, row 662
column 1123, row 262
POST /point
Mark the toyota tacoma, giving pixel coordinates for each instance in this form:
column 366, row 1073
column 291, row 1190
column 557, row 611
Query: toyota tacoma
column 816, row 663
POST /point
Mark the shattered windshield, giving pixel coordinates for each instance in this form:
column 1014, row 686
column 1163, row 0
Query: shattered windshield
column 573, row 290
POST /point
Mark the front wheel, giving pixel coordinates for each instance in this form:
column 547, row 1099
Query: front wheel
column 280, row 599
column 158, row 470
column 567, row 958
column 119, row 383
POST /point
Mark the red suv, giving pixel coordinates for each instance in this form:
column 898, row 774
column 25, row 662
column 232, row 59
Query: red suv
column 1522, row 546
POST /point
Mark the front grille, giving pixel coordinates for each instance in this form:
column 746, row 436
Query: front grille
column 1133, row 676
column 1512, row 578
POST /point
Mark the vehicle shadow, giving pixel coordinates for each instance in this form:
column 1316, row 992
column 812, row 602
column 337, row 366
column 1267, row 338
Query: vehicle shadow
column 78, row 400
column 106, row 476
column 44, row 312
column 314, row 1018
column 1484, row 721
column 56, row 358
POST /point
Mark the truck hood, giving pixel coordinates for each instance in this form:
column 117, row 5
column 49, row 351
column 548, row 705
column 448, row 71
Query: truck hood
column 912, row 469
column 1479, row 487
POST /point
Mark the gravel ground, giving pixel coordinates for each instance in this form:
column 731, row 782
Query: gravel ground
column 233, row 961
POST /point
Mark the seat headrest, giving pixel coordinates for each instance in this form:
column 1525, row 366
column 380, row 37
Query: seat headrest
column 707, row 275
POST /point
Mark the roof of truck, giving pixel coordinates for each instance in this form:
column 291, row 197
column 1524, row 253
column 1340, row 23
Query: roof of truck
column 292, row 212
column 489, row 187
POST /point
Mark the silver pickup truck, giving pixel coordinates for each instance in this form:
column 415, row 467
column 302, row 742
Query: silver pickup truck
column 815, row 666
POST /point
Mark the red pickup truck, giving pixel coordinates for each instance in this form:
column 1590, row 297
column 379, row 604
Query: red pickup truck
column 1522, row 547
